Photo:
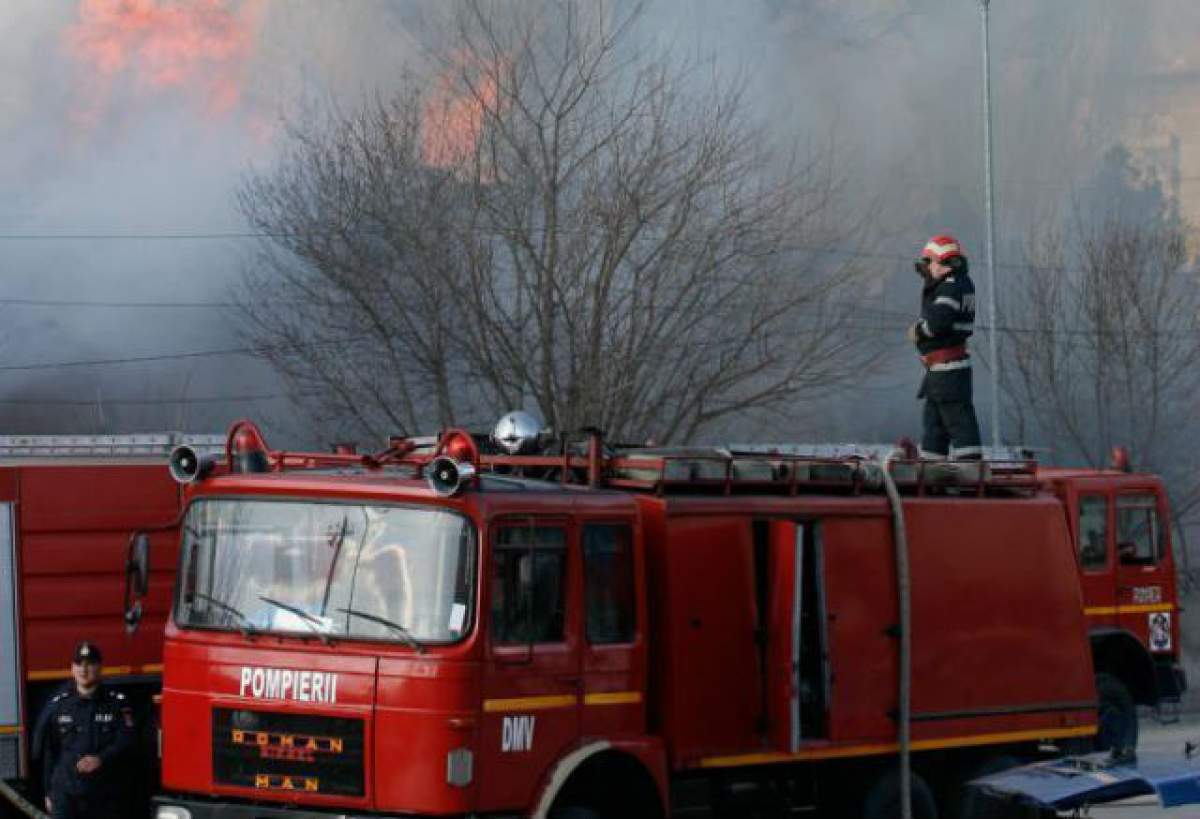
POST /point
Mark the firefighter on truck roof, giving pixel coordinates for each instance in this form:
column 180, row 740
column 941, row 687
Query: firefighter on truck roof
column 947, row 321
column 85, row 737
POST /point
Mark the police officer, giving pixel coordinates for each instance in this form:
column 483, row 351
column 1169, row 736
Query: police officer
column 947, row 321
column 85, row 737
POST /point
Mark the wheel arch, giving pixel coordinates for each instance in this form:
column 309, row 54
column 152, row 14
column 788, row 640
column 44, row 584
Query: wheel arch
column 1117, row 652
column 640, row 766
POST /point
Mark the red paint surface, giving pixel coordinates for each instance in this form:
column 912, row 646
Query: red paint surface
column 73, row 528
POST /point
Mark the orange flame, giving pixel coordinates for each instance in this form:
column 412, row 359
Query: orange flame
column 453, row 115
column 200, row 46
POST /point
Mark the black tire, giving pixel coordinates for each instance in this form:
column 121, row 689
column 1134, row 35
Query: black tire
column 882, row 799
column 1116, row 715
column 574, row 812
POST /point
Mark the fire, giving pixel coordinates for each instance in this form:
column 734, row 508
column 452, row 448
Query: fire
column 453, row 115
column 198, row 46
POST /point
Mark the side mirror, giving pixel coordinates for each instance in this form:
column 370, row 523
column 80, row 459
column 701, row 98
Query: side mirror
column 137, row 578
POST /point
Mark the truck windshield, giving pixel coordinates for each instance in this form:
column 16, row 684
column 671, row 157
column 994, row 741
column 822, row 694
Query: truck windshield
column 335, row 570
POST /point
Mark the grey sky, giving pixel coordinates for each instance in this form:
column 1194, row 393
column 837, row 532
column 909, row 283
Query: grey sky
column 142, row 123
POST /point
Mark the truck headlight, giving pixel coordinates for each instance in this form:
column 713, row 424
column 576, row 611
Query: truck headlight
column 172, row 812
column 459, row 764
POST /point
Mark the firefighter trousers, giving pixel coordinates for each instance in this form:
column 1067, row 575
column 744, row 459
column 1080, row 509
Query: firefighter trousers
column 951, row 424
column 949, row 417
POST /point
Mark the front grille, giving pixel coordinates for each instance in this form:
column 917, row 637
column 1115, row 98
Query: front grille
column 10, row 747
column 285, row 753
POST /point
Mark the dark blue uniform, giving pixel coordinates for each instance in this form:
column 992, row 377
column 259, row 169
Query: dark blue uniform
column 947, row 321
column 72, row 727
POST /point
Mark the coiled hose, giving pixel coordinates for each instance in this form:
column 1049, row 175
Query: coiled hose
column 19, row 802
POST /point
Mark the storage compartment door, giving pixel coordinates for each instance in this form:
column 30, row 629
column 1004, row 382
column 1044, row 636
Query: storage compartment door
column 797, row 670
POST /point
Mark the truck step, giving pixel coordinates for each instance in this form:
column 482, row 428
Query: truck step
column 1167, row 711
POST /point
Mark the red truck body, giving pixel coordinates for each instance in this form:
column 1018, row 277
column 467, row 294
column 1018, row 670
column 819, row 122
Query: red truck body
column 68, row 505
column 558, row 648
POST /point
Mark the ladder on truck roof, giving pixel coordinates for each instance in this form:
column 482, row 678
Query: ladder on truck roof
column 878, row 452
column 152, row 444
column 796, row 468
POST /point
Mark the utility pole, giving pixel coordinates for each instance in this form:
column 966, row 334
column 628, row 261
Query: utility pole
column 989, row 211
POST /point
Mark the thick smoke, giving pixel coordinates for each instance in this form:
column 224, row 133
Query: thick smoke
column 139, row 117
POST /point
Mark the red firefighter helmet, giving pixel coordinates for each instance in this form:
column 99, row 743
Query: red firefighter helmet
column 942, row 248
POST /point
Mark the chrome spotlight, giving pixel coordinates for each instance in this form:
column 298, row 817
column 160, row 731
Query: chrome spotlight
column 517, row 433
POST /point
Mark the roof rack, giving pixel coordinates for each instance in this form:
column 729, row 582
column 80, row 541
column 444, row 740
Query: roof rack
column 140, row 444
column 737, row 471
column 878, row 452
column 742, row 469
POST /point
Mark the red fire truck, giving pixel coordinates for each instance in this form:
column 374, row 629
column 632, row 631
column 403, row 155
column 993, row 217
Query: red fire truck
column 443, row 630
column 67, row 507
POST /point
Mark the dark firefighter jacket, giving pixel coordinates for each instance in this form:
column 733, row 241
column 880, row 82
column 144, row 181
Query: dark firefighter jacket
column 947, row 320
column 71, row 727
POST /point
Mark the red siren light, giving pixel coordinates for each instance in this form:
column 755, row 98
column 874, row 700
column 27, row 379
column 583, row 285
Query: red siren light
column 246, row 449
column 459, row 445
column 1120, row 459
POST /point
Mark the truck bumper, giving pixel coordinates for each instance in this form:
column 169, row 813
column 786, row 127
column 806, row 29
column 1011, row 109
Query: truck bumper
column 1172, row 681
column 169, row 807
column 166, row 807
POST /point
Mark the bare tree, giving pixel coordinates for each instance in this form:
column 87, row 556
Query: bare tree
column 350, row 295
column 558, row 222
column 1103, row 345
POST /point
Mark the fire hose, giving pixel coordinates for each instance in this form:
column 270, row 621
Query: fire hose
column 903, row 593
column 20, row 802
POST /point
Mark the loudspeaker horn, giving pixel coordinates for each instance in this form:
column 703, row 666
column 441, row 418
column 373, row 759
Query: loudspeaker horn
column 446, row 475
column 187, row 466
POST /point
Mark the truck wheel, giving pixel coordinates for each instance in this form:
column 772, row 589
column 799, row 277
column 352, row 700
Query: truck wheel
column 1116, row 714
column 882, row 800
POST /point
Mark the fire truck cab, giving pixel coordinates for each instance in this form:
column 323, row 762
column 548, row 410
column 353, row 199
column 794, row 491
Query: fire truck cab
column 1120, row 524
column 631, row 633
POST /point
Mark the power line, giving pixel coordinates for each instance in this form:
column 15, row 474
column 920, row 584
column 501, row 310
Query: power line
column 213, row 399
column 220, row 353
column 887, row 320
column 155, row 305
column 103, row 362
column 147, row 237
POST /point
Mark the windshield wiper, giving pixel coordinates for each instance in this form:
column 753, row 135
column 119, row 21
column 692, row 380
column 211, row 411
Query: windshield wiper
column 247, row 628
column 404, row 633
column 309, row 620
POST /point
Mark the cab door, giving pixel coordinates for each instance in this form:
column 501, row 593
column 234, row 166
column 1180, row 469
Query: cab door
column 1143, row 575
column 531, row 678
column 1094, row 551
column 614, row 629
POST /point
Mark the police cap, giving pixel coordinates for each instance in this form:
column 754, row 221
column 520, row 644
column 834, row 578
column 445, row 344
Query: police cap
column 87, row 652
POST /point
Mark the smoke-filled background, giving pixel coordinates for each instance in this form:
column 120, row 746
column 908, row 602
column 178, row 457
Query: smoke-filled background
column 127, row 126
